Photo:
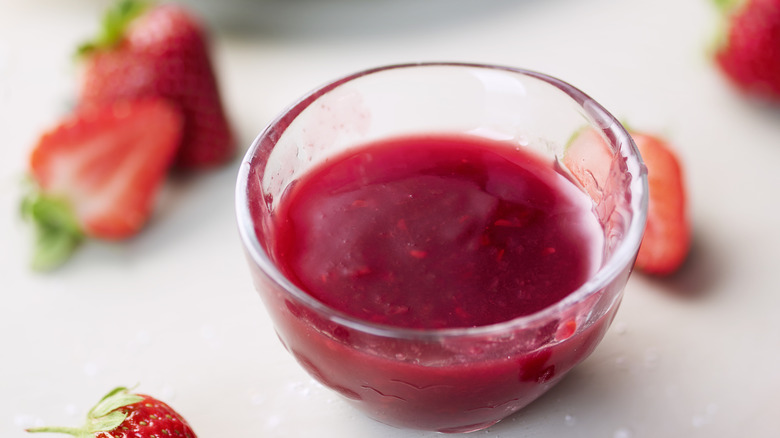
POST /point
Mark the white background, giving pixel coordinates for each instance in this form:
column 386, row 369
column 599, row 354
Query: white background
column 173, row 310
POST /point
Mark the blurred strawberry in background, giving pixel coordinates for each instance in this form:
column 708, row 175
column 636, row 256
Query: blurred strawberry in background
column 748, row 50
column 149, row 50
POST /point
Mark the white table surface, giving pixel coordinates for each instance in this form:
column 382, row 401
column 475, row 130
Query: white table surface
column 173, row 310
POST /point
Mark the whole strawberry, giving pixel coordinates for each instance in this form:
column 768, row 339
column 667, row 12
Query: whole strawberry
column 161, row 51
column 749, row 53
column 122, row 414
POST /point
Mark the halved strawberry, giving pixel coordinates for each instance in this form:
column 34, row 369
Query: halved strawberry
column 97, row 173
column 150, row 50
column 667, row 238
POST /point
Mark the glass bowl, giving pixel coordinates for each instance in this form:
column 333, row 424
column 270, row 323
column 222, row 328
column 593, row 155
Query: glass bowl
column 450, row 379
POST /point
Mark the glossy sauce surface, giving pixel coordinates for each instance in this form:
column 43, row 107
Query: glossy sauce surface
column 437, row 231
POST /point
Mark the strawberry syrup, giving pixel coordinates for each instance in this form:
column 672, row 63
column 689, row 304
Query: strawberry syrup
column 435, row 232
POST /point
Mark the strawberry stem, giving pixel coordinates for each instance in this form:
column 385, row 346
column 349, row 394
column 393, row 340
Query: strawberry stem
column 75, row 431
column 57, row 232
column 115, row 22
column 103, row 417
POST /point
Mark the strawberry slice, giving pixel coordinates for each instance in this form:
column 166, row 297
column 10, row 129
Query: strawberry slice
column 667, row 238
column 97, row 173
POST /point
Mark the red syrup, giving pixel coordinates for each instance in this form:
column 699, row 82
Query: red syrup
column 436, row 232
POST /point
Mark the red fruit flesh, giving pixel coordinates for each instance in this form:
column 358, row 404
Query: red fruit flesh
column 164, row 53
column 667, row 237
column 108, row 161
column 750, row 54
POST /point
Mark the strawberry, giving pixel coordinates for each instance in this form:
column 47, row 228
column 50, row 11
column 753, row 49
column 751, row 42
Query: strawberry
column 97, row 173
column 122, row 414
column 749, row 51
column 161, row 50
column 667, row 237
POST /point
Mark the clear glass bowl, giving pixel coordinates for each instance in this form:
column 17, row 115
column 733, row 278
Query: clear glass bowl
column 456, row 379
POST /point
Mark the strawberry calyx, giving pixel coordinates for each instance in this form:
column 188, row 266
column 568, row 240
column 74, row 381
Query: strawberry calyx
column 727, row 9
column 105, row 416
column 114, row 24
column 727, row 6
column 57, row 231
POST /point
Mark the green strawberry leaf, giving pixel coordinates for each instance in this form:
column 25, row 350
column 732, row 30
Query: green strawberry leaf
column 103, row 417
column 115, row 22
column 726, row 6
column 115, row 399
column 57, row 232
